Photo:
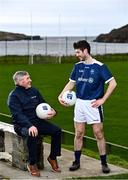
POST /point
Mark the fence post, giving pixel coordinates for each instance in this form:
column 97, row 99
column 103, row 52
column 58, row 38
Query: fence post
column 109, row 148
column 66, row 44
column 46, row 46
column 2, row 144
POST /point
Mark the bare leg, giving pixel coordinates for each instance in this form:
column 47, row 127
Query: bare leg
column 78, row 143
column 98, row 132
column 99, row 135
column 79, row 133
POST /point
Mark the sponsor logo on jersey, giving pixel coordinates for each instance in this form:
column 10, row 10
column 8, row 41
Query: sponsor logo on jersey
column 90, row 80
column 82, row 79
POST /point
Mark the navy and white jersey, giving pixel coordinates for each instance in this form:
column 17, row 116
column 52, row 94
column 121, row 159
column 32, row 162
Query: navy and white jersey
column 90, row 79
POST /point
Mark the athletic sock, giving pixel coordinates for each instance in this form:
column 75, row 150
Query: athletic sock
column 103, row 159
column 77, row 156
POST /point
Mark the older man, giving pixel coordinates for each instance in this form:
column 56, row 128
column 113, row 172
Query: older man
column 22, row 102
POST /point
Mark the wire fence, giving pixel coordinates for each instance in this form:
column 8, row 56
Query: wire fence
column 68, row 139
column 57, row 46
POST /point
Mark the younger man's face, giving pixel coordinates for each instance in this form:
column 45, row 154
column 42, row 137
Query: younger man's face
column 80, row 54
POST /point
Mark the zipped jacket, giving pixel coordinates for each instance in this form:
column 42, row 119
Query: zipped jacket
column 22, row 104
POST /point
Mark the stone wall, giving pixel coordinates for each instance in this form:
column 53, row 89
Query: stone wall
column 15, row 146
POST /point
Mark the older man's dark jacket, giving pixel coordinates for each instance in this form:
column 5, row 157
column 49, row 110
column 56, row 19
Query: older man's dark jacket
column 22, row 103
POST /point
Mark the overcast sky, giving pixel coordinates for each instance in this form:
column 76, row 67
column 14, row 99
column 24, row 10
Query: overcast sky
column 63, row 17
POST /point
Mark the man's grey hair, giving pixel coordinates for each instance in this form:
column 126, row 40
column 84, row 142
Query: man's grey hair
column 19, row 76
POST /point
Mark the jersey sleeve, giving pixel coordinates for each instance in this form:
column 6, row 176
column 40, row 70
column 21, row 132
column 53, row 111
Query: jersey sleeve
column 106, row 74
column 73, row 74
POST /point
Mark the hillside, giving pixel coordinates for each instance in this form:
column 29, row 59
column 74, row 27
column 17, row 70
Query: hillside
column 119, row 35
column 8, row 36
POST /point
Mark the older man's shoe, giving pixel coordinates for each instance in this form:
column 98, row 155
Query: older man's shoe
column 34, row 171
column 105, row 169
column 54, row 165
column 75, row 166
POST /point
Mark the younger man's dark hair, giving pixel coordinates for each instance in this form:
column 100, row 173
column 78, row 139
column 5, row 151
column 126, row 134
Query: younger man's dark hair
column 82, row 45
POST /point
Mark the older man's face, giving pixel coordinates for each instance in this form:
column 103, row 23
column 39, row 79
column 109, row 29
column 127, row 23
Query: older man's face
column 25, row 81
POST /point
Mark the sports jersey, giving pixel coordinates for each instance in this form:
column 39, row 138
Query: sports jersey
column 90, row 79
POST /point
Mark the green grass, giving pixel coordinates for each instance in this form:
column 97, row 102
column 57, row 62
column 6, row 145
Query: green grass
column 112, row 159
column 51, row 78
column 119, row 176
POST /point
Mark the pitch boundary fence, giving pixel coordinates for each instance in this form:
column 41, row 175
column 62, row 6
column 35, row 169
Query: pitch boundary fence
column 89, row 142
column 57, row 46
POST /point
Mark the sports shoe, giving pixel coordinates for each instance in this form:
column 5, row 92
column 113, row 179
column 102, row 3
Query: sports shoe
column 54, row 165
column 34, row 171
column 74, row 166
column 105, row 168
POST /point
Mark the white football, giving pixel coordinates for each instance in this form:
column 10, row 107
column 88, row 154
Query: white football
column 42, row 110
column 69, row 97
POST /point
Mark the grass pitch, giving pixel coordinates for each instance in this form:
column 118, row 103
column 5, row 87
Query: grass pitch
column 50, row 80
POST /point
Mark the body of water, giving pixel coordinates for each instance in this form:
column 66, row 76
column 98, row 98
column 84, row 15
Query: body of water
column 58, row 46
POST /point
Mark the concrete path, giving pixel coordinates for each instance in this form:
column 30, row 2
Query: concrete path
column 89, row 167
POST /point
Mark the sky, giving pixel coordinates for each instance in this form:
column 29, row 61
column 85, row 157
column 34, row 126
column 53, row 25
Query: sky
column 62, row 17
